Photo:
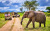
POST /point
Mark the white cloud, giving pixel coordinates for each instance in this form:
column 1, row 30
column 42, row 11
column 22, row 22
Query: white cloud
column 18, row 1
column 4, row 8
column 18, row 9
column 46, row 0
column 14, row 9
column 41, row 8
column 14, row 1
column 16, row 5
column 3, row 1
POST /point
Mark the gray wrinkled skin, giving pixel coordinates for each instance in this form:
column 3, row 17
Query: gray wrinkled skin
column 34, row 16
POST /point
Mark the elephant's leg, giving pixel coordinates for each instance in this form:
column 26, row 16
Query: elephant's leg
column 44, row 24
column 28, row 23
column 33, row 21
column 33, row 24
column 39, row 24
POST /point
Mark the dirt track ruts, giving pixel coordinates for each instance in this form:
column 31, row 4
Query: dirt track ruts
column 13, row 25
column 17, row 25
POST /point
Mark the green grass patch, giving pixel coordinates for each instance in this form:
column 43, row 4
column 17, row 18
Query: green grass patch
column 21, row 14
column 2, row 19
column 2, row 22
column 2, row 15
column 47, row 14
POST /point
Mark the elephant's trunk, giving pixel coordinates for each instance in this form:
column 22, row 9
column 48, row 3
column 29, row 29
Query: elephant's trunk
column 22, row 20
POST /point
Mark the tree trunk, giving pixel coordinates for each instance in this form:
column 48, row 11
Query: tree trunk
column 29, row 8
column 49, row 11
column 22, row 20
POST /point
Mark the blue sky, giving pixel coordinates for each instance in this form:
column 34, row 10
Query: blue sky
column 15, row 5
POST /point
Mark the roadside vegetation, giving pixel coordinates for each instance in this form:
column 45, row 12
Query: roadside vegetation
column 47, row 14
column 2, row 20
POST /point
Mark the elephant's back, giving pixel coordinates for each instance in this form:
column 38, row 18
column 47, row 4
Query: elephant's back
column 40, row 17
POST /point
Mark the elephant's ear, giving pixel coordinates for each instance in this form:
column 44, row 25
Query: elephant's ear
column 31, row 15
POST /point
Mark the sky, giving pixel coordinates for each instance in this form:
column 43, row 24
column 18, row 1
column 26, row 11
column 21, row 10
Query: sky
column 15, row 5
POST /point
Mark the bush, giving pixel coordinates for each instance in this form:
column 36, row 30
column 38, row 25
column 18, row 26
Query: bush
column 47, row 14
column 2, row 15
column 48, row 11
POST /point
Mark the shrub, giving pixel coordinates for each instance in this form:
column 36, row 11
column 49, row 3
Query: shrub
column 47, row 14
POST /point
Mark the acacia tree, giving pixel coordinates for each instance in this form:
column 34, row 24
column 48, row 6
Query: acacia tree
column 29, row 4
column 26, row 4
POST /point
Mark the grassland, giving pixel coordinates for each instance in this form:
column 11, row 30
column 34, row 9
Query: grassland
column 25, row 21
column 37, row 28
column 2, row 19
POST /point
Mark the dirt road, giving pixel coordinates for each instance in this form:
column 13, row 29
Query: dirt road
column 13, row 25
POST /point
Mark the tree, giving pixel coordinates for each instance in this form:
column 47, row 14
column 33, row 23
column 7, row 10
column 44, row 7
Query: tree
column 21, row 9
column 26, row 4
column 29, row 4
column 38, row 10
column 48, row 8
column 33, row 8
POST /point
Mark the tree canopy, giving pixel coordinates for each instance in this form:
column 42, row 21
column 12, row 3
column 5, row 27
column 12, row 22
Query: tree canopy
column 30, row 5
column 48, row 8
column 21, row 9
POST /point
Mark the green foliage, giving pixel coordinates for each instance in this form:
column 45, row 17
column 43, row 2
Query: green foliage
column 2, row 19
column 47, row 14
column 38, row 10
column 2, row 22
column 21, row 9
column 33, row 8
column 21, row 14
column 48, row 11
column 29, row 4
column 2, row 15
column 48, row 8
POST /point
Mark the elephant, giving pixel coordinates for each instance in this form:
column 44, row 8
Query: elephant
column 34, row 16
